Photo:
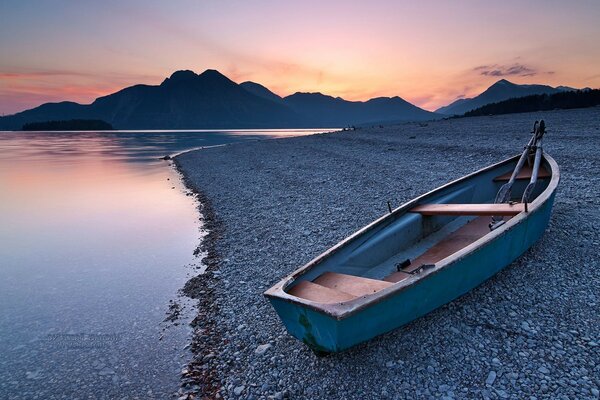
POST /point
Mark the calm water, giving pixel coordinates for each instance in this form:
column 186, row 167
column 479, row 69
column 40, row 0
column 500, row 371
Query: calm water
column 96, row 238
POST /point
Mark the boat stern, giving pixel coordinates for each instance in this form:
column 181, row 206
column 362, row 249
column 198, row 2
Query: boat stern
column 317, row 330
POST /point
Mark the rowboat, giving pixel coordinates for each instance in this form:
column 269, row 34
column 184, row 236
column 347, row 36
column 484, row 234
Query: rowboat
column 421, row 255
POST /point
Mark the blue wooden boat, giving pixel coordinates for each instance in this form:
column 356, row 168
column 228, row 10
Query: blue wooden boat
column 421, row 255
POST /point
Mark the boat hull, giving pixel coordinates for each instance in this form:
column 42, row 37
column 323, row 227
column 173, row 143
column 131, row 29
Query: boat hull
column 326, row 332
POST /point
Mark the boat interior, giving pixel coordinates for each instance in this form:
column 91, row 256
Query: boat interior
column 410, row 241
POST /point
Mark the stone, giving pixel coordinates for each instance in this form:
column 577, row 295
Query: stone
column 106, row 371
column 491, row 378
column 262, row 349
column 543, row 370
column 33, row 375
column 238, row 390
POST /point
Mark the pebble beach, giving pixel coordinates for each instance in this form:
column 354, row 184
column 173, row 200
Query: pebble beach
column 270, row 206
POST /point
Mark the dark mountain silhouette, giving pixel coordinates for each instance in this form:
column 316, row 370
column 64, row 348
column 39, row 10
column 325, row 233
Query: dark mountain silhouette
column 64, row 110
column 183, row 101
column 187, row 100
column 261, row 91
column 541, row 102
column 335, row 111
column 499, row 91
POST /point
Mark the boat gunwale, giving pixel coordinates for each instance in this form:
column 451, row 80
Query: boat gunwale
column 342, row 310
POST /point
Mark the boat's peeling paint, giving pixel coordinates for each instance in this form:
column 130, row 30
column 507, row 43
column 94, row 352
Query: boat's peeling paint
column 309, row 338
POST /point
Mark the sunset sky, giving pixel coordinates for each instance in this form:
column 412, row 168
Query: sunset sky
column 428, row 52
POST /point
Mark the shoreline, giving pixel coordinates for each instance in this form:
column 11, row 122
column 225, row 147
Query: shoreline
column 276, row 204
column 196, row 378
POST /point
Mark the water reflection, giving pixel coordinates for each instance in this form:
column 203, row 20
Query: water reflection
column 126, row 146
column 96, row 238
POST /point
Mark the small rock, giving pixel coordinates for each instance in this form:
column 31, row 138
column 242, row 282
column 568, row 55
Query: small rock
column 595, row 392
column 238, row 390
column 430, row 369
column 33, row 375
column 543, row 370
column 491, row 378
column 260, row 350
column 106, row 371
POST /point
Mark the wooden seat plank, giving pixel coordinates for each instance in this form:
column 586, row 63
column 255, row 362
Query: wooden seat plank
column 525, row 173
column 318, row 293
column 454, row 242
column 355, row 285
column 469, row 209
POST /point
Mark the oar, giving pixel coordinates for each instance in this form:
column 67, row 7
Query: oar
column 536, row 164
column 504, row 193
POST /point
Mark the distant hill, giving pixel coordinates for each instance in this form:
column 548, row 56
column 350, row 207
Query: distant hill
column 261, row 91
column 499, row 91
column 210, row 100
column 70, row 125
column 335, row 111
column 541, row 102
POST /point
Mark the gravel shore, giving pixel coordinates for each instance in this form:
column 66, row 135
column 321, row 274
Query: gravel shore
column 533, row 331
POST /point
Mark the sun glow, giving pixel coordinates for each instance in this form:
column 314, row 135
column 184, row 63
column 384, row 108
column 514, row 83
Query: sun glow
column 429, row 54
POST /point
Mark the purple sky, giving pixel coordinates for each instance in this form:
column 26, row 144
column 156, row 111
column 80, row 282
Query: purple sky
column 428, row 52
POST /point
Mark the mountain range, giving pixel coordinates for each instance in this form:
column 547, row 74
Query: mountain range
column 499, row 91
column 210, row 100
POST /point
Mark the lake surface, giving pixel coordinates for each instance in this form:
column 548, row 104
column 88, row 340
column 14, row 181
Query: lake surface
column 97, row 235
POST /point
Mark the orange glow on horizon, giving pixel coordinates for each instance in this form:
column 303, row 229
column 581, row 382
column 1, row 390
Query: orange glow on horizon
column 429, row 53
column 25, row 92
